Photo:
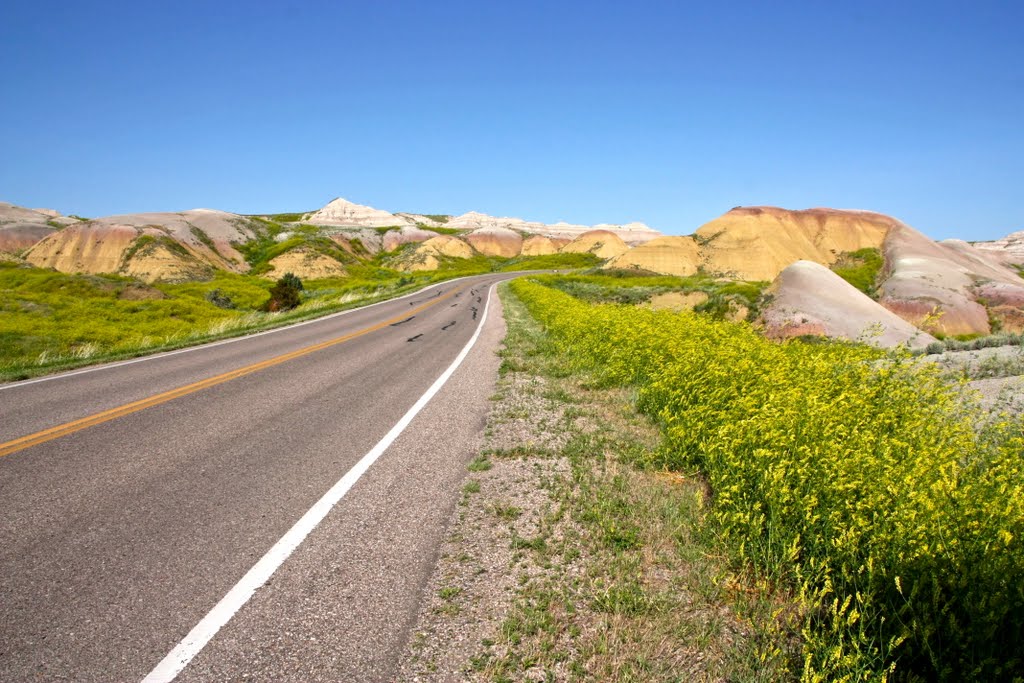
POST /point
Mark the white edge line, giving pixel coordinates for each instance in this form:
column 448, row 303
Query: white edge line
column 193, row 643
column 210, row 345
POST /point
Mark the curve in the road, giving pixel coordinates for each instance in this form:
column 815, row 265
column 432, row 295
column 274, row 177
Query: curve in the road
column 29, row 440
column 176, row 660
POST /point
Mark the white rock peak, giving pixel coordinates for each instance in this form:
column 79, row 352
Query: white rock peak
column 343, row 212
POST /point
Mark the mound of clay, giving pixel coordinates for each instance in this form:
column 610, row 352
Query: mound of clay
column 360, row 241
column 152, row 246
column 209, row 234
column 601, row 243
column 85, row 248
column 343, row 212
column 757, row 243
column 393, row 239
column 937, row 285
column 307, row 264
column 164, row 260
column 10, row 213
column 539, row 245
column 666, row 255
column 481, row 221
column 501, row 242
column 630, row 233
column 430, row 254
column 808, row 298
column 17, row 236
column 1008, row 250
column 422, row 220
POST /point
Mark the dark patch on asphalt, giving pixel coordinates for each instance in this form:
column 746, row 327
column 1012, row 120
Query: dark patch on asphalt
column 473, row 308
column 414, row 338
column 453, row 306
column 448, row 325
column 479, row 300
column 402, row 321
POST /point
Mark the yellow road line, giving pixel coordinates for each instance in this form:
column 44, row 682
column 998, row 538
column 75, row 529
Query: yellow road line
column 67, row 428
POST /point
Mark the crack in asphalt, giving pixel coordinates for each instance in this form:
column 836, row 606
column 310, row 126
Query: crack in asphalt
column 415, row 337
column 402, row 321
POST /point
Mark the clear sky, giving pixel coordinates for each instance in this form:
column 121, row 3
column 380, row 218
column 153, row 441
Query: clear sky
column 669, row 113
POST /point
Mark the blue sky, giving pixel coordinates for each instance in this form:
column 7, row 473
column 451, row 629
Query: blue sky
column 664, row 112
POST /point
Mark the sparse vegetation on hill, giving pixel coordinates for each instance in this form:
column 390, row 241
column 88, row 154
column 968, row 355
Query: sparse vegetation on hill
column 861, row 490
column 282, row 217
column 439, row 230
column 267, row 245
column 861, row 268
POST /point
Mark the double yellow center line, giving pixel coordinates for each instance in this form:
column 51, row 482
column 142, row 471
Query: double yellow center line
column 67, row 428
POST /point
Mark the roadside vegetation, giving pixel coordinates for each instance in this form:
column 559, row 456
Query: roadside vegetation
column 720, row 297
column 55, row 321
column 571, row 559
column 855, row 492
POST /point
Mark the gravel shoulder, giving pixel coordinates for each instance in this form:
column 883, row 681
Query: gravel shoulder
column 566, row 560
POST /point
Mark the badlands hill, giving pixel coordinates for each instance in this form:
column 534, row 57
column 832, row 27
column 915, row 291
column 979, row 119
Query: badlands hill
column 809, row 299
column 759, row 242
column 950, row 288
column 191, row 245
column 946, row 288
column 343, row 213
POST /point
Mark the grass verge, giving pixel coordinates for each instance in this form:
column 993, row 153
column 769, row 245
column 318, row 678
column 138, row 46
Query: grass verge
column 55, row 321
column 574, row 561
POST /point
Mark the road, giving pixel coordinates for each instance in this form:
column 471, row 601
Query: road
column 137, row 498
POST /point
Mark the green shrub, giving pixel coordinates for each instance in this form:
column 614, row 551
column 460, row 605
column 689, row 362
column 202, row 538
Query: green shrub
column 285, row 294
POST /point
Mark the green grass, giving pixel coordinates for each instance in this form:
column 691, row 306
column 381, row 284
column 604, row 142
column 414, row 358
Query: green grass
column 51, row 316
column 285, row 217
column 860, row 268
column 440, row 230
column 481, row 463
column 632, row 287
column 55, row 321
column 552, row 262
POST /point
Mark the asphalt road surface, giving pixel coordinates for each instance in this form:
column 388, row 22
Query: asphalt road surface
column 136, row 498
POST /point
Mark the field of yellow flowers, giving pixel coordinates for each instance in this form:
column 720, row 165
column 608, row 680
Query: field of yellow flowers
column 860, row 482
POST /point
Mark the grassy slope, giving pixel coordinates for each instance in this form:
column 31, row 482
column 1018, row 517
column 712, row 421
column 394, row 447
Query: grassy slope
column 55, row 321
